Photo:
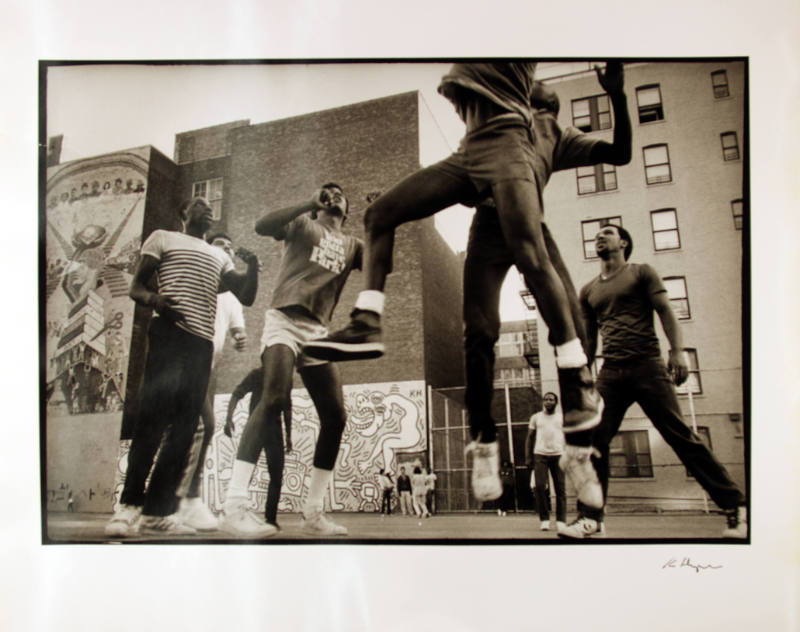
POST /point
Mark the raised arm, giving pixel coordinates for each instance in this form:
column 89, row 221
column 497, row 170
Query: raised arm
column 677, row 363
column 619, row 151
column 273, row 224
column 244, row 285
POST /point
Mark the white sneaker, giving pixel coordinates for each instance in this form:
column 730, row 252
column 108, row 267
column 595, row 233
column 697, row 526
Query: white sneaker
column 165, row 525
column 486, row 483
column 560, row 525
column 238, row 520
column 737, row 524
column 124, row 522
column 577, row 465
column 195, row 513
column 317, row 523
column 583, row 527
column 545, row 526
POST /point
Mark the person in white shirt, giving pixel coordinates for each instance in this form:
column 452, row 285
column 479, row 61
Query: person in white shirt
column 544, row 446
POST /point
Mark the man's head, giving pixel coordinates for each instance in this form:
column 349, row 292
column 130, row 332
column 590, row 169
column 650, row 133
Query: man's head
column 402, row 470
column 222, row 241
column 613, row 238
column 335, row 200
column 196, row 211
column 550, row 400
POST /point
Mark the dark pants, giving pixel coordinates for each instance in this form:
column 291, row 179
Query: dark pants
column 543, row 464
column 647, row 383
column 386, row 502
column 487, row 262
column 171, row 397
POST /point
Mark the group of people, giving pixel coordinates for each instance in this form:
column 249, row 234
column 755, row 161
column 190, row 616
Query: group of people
column 512, row 145
column 415, row 493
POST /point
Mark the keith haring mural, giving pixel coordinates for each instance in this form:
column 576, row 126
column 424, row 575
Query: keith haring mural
column 94, row 215
column 384, row 421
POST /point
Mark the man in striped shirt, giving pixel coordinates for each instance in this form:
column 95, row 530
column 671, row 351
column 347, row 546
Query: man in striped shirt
column 189, row 273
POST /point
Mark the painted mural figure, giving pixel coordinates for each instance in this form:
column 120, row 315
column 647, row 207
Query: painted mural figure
column 317, row 259
column 189, row 273
column 620, row 303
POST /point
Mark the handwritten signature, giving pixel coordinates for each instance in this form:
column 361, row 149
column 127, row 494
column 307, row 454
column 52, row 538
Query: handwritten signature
column 687, row 563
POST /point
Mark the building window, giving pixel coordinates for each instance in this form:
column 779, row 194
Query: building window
column 596, row 178
column 737, row 208
column 510, row 344
column 693, row 384
column 590, row 228
column 719, row 83
column 519, row 376
column 678, row 297
column 648, row 99
column 629, row 455
column 705, row 436
column 592, row 113
column 211, row 190
column 730, row 146
column 665, row 229
column 656, row 164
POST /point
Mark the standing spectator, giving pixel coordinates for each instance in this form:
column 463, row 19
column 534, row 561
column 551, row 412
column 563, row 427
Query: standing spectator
column 430, row 496
column 386, row 483
column 404, row 492
column 544, row 446
column 419, row 487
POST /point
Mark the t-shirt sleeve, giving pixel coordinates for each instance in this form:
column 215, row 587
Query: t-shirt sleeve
column 574, row 149
column 227, row 262
column 649, row 280
column 532, row 422
column 154, row 244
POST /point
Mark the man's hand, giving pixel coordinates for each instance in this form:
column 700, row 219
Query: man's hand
column 612, row 78
column 248, row 257
column 239, row 340
column 677, row 367
column 165, row 306
column 319, row 202
column 229, row 427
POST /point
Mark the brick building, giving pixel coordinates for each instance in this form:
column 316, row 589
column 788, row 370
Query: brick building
column 683, row 199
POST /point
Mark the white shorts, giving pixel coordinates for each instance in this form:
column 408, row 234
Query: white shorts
column 292, row 330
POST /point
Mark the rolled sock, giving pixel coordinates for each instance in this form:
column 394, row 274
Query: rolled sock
column 316, row 490
column 570, row 355
column 240, row 479
column 371, row 301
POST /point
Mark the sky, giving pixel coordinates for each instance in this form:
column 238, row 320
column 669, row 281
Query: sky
column 105, row 108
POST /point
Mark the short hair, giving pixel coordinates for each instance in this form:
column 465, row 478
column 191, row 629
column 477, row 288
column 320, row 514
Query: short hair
column 626, row 236
column 188, row 203
column 333, row 185
column 417, row 470
column 550, row 393
column 216, row 235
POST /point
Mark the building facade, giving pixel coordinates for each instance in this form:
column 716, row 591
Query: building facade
column 683, row 199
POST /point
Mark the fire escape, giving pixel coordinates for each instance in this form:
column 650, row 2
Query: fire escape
column 531, row 342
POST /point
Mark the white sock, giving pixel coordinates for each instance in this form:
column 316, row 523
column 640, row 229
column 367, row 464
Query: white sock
column 240, row 479
column 371, row 301
column 317, row 488
column 570, row 355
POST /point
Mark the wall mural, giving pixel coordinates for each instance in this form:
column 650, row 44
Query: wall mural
column 385, row 422
column 95, row 210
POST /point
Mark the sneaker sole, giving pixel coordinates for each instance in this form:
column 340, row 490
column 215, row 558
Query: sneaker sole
column 342, row 352
column 118, row 532
column 252, row 536
column 150, row 531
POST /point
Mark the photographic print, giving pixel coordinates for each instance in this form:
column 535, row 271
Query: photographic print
column 392, row 302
